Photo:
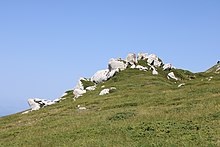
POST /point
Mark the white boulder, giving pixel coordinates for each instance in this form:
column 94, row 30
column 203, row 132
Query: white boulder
column 115, row 64
column 78, row 92
column 81, row 108
column 154, row 72
column 91, row 88
column 152, row 59
column 104, row 92
column 167, row 66
column 103, row 75
column 171, row 75
column 131, row 58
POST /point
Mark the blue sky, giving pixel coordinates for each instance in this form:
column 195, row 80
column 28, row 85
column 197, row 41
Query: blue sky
column 46, row 45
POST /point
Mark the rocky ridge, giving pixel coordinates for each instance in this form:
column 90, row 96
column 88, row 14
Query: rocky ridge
column 144, row 62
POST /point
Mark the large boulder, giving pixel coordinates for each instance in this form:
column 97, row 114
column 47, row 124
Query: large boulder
column 103, row 75
column 167, row 66
column 152, row 59
column 131, row 58
column 115, row 64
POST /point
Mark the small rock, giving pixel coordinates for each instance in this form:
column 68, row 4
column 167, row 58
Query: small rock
column 180, row 85
column 104, row 92
column 172, row 76
column 81, row 108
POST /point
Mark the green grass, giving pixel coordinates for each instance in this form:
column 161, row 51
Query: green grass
column 145, row 110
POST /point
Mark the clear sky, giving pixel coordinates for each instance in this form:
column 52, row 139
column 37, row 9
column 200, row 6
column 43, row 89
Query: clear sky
column 46, row 45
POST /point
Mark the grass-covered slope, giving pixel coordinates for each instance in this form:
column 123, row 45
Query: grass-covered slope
column 145, row 110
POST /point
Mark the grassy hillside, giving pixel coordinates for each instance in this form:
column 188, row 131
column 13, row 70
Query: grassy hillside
column 145, row 110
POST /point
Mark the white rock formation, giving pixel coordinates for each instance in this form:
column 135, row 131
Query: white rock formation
column 131, row 58
column 37, row 103
column 171, row 75
column 167, row 66
column 115, row 64
column 152, row 59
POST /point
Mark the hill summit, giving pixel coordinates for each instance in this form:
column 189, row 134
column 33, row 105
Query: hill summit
column 138, row 101
column 143, row 62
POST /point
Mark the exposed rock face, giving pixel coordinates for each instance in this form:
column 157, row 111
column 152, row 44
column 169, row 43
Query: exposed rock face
column 171, row 75
column 79, row 88
column 116, row 65
column 131, row 58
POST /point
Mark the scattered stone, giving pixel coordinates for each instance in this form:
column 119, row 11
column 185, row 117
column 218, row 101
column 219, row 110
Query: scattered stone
column 103, row 86
column 180, row 85
column 171, row 75
column 81, row 108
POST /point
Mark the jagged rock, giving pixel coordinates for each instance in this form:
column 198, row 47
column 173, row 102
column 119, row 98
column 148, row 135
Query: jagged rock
column 131, row 58
column 37, row 103
column 180, row 85
column 91, row 88
column 171, row 75
column 167, row 66
column 116, row 65
column 103, row 75
column 142, row 56
column 218, row 69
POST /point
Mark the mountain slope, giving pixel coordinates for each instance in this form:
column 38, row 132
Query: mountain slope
column 144, row 110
